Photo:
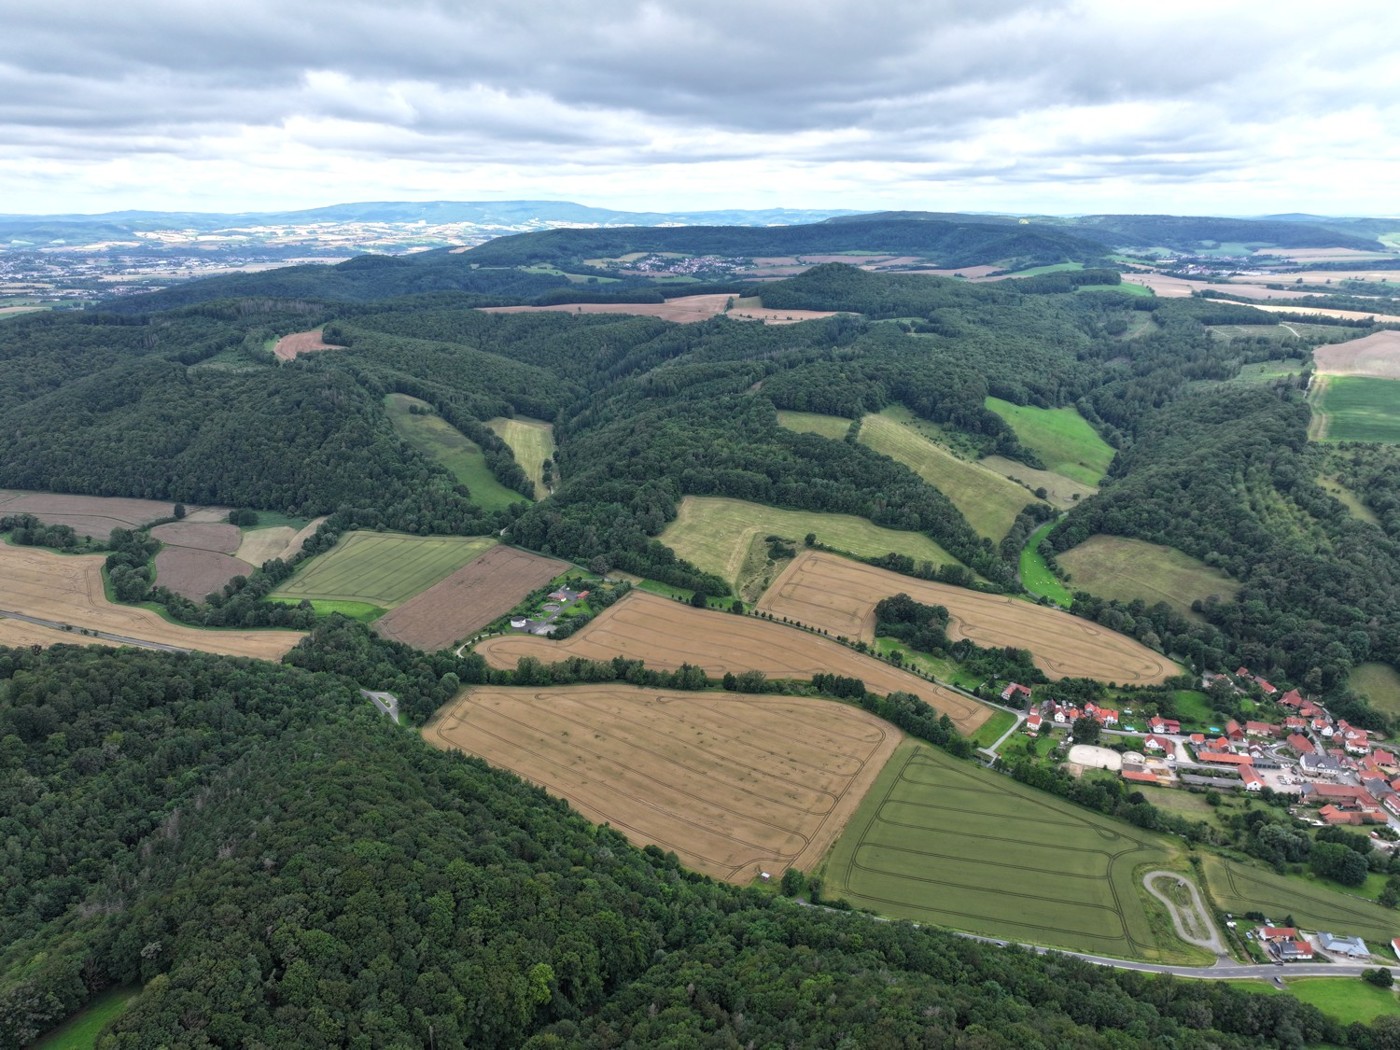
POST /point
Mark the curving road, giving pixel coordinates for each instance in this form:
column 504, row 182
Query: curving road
column 1213, row 941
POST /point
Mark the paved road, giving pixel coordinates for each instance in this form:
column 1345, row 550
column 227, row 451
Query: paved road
column 1212, row 941
column 79, row 636
column 386, row 702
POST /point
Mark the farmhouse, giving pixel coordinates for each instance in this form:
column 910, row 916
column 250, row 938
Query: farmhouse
column 1270, row 934
column 1292, row 698
column 1353, row 947
column 1034, row 721
column 1014, row 693
column 1295, row 951
column 1252, row 780
column 1156, row 743
column 1234, row 732
column 1261, row 729
column 1105, row 716
column 1158, row 724
column 1300, row 744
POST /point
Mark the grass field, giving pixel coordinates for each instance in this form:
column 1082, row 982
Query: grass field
column 993, row 728
column 1060, row 492
column 666, row 634
column 840, row 595
column 1238, row 888
column 833, row 427
column 716, row 534
column 382, row 569
column 1115, row 567
column 946, row 842
column 719, row 778
column 988, row 500
column 1380, row 683
column 1349, row 499
column 1036, row 576
column 1357, row 408
column 449, row 448
column 1061, row 437
column 80, row 1031
column 1346, row 1000
column 532, row 442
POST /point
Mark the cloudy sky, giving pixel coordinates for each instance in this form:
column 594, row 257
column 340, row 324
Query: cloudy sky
column 1059, row 106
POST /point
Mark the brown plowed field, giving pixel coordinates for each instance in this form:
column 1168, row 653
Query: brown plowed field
column 665, row 634
column 469, row 599
column 823, row 590
column 685, row 310
column 723, row 780
column 289, row 346
column 1373, row 355
column 68, row 589
column 87, row 515
column 197, row 559
column 223, row 538
column 22, row 635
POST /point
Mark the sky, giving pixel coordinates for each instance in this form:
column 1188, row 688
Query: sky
column 1052, row 106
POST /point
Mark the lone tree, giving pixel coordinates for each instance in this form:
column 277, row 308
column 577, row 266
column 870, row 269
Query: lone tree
column 1085, row 730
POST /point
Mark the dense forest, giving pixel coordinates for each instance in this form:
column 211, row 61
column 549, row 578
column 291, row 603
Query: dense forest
column 275, row 863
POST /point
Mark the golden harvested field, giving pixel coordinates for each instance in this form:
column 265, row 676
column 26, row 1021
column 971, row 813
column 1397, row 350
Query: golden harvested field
column 275, row 541
column 469, row 599
column 721, row 779
column 87, row 515
column 823, row 590
column 21, row 634
column 67, row 589
column 531, row 441
column 686, row 309
column 1375, row 355
column 665, row 634
column 289, row 346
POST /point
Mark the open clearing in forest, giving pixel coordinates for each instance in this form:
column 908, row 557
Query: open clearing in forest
column 1355, row 408
column 532, row 442
column 988, row 500
column 483, row 589
column 1376, row 355
column 196, row 557
column 833, row 427
column 67, row 588
column 94, row 516
column 1061, row 437
column 289, row 346
column 947, row 842
column 686, row 309
column 1238, row 887
column 715, row 534
column 665, row 634
column 447, row 446
column 1060, row 492
column 275, row 541
column 720, row 779
column 381, row 569
column 1116, row 567
column 838, row 595
column 1379, row 683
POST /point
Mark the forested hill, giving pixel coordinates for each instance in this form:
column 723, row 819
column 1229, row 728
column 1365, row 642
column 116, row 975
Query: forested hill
column 278, row 866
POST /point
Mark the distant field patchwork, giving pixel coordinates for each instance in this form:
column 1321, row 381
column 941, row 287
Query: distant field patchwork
column 1127, row 569
column 945, row 842
column 720, row 779
column 447, row 446
column 381, row 569
column 1061, row 437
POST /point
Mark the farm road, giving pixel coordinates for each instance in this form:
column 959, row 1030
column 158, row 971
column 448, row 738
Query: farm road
column 1182, row 918
column 120, row 639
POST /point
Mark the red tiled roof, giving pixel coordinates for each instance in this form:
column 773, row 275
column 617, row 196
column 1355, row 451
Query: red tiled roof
column 1301, row 744
column 1140, row 777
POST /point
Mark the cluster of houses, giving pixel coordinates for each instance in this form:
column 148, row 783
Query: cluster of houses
column 1285, row 945
column 554, row 607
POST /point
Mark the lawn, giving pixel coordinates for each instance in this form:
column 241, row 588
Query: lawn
column 1126, row 569
column 1036, row 576
column 1358, row 408
column 448, row 447
column 1379, row 683
column 532, row 442
column 988, row 500
column 1238, row 887
column 715, row 534
column 1345, row 1000
column 381, row 569
column 990, row 731
column 942, row 841
column 833, row 427
column 1194, row 707
column 1061, row 437
column 80, row 1031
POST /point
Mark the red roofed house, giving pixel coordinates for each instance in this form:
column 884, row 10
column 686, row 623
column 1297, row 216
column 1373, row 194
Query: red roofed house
column 1033, row 721
column 1292, row 698
column 1293, row 723
column 1392, row 803
column 1295, row 951
column 1335, row 815
column 1164, row 725
column 1156, row 743
column 1140, row 776
column 1198, row 738
column 1233, row 732
column 1252, row 780
column 1301, row 744
column 1267, row 689
column 1224, row 758
column 1103, row 715
column 1013, row 693
column 1276, row 933
column 1261, row 729
column 1357, row 741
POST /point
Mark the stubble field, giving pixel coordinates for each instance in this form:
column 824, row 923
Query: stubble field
column 469, row 599
column 1376, row 355
column 666, row 634
column 197, row 558
column 93, row 516
column 68, row 589
column 290, row 346
column 826, row 591
column 720, row 779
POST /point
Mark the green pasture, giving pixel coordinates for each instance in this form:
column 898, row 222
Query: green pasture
column 988, row 500
column 532, row 442
column 1379, row 683
column 1345, row 1000
column 942, row 841
column 447, row 446
column 1061, row 437
column 80, row 1031
column 1268, row 371
column 1036, row 576
column 1359, row 408
column 1126, row 569
column 716, row 534
column 833, row 427
column 381, row 569
column 1238, row 888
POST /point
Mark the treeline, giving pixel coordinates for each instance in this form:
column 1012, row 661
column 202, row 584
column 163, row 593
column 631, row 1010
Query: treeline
column 273, row 862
